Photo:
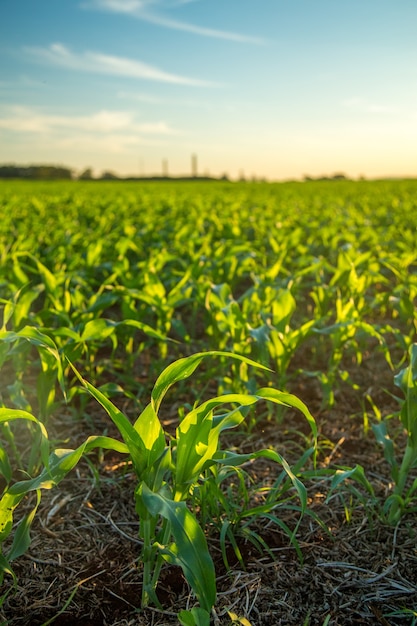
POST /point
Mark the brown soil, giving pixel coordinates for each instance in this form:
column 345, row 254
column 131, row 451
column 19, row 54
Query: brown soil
column 82, row 566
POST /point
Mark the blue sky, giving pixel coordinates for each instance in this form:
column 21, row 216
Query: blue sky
column 271, row 88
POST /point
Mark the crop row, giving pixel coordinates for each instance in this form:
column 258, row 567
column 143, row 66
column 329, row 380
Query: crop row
column 259, row 272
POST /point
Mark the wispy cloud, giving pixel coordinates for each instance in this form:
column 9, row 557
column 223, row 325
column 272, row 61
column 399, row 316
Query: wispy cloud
column 25, row 119
column 155, row 12
column 96, row 62
column 109, row 144
column 103, row 132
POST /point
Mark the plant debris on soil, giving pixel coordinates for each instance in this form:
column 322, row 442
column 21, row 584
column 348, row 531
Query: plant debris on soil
column 82, row 566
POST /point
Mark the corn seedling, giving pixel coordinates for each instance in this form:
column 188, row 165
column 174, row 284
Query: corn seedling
column 348, row 334
column 399, row 501
column 167, row 473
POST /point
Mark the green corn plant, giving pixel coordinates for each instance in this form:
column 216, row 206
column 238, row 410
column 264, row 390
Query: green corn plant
column 193, row 451
column 56, row 465
column 167, row 469
column 351, row 478
column 38, row 286
column 349, row 332
column 51, row 368
column 229, row 500
column 228, row 329
column 17, row 350
column 399, row 300
column 399, row 501
column 84, row 342
column 79, row 343
column 276, row 335
column 273, row 342
column 166, row 301
column 228, row 325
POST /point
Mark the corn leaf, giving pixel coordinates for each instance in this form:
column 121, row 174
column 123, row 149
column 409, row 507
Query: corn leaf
column 194, row 617
column 135, row 444
column 198, row 436
column 189, row 549
column 21, row 539
column 288, row 399
column 406, row 380
column 9, row 415
column 183, row 368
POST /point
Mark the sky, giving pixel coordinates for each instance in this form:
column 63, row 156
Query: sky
column 279, row 89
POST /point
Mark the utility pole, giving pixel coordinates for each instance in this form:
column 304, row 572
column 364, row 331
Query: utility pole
column 194, row 173
column 165, row 168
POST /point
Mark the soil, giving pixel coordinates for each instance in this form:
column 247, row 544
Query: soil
column 83, row 564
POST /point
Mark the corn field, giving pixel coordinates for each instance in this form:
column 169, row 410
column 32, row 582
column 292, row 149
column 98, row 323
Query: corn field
column 208, row 409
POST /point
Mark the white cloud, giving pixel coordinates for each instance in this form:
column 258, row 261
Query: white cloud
column 113, row 143
column 147, row 10
column 104, row 132
column 24, row 119
column 96, row 62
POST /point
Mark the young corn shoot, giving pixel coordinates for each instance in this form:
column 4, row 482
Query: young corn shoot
column 167, row 471
column 397, row 503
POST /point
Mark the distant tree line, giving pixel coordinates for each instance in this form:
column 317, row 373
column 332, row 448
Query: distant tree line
column 334, row 177
column 57, row 172
column 54, row 172
column 35, row 172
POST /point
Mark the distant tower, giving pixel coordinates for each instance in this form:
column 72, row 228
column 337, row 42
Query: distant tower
column 194, row 165
column 165, row 168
